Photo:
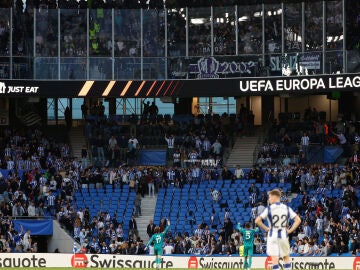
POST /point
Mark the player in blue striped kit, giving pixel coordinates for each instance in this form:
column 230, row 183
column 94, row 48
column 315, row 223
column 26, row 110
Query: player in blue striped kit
column 278, row 216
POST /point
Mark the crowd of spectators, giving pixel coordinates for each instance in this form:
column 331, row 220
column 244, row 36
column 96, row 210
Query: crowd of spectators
column 186, row 142
column 42, row 178
column 327, row 202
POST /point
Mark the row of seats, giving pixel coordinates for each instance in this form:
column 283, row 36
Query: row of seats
column 119, row 201
column 192, row 202
column 193, row 205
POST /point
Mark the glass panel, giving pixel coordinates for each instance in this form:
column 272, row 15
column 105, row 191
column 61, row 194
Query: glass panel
column 51, row 108
column 313, row 26
column 62, row 104
column 176, row 20
column 132, row 105
column 100, row 68
column 4, row 31
column 199, row 31
column 4, row 68
column 154, row 68
column 100, row 33
column 293, row 27
column 352, row 25
column 353, row 60
column 46, row 68
column 334, row 62
column 250, row 29
column 127, row 68
column 164, row 107
column 73, row 32
column 224, row 30
column 73, row 68
column 178, row 67
column 334, row 25
column 154, row 32
column 23, row 32
column 46, row 32
column 273, row 28
column 22, row 68
column 223, row 105
column 127, row 32
column 76, row 108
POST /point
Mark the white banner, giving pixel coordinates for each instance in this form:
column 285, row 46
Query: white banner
column 41, row 260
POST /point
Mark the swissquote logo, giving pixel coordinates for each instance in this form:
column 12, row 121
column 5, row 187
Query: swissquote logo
column 79, row 260
column 18, row 89
column 356, row 263
column 194, row 263
column 268, row 263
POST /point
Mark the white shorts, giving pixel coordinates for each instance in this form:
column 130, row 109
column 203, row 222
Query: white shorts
column 277, row 246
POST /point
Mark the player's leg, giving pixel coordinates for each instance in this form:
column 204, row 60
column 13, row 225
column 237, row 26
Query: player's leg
column 157, row 262
column 158, row 258
column 275, row 262
column 246, row 252
column 285, row 253
column 272, row 250
column 250, row 254
column 246, row 264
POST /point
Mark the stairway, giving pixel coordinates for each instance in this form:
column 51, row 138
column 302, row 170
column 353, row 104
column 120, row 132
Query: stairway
column 77, row 140
column 147, row 212
column 242, row 152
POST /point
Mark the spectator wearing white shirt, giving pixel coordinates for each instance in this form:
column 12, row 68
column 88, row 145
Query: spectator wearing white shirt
column 31, row 209
column 168, row 248
column 239, row 173
column 304, row 144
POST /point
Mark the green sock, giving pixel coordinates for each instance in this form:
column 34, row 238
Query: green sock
column 246, row 263
column 250, row 262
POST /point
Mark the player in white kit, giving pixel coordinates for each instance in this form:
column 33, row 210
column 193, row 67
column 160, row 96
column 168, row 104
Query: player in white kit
column 278, row 216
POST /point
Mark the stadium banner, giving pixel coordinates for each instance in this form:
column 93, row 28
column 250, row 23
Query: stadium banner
column 36, row 226
column 42, row 260
column 226, row 87
column 295, row 63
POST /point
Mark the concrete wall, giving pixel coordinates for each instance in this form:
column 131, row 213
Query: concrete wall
column 60, row 240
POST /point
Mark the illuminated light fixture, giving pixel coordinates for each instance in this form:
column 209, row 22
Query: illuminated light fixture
column 258, row 14
column 126, row 88
column 108, row 88
column 197, row 21
column 86, row 88
column 243, row 18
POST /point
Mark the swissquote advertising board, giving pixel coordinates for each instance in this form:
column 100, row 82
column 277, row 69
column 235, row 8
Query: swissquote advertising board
column 43, row 260
column 316, row 84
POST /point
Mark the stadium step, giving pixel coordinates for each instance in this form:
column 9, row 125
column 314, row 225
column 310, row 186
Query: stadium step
column 77, row 140
column 147, row 212
column 244, row 147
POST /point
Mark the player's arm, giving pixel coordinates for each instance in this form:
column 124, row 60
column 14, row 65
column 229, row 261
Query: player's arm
column 260, row 224
column 167, row 227
column 150, row 241
column 238, row 227
column 297, row 222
